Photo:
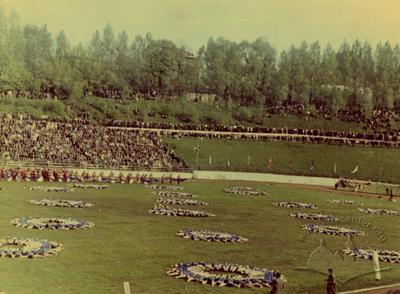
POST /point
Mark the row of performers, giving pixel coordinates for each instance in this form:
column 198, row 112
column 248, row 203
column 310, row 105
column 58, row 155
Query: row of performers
column 46, row 175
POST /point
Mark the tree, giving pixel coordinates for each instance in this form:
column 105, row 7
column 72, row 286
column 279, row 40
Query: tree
column 13, row 74
column 38, row 57
column 366, row 101
column 336, row 100
column 62, row 46
column 258, row 67
column 123, row 63
column 213, row 58
column 385, row 73
column 356, row 64
column 281, row 80
column 344, row 65
column 64, row 75
column 161, row 67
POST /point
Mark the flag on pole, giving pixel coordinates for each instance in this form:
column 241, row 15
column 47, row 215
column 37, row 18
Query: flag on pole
column 355, row 170
column 269, row 163
column 312, row 165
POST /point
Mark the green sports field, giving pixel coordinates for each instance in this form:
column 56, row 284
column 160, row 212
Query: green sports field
column 130, row 244
column 377, row 164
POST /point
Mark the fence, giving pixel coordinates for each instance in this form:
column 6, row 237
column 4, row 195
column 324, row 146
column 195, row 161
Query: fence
column 52, row 165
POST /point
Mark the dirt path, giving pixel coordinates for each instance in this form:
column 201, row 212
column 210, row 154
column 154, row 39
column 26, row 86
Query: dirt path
column 386, row 290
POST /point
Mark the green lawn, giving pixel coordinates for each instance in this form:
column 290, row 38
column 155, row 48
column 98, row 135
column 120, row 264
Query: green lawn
column 129, row 244
column 290, row 158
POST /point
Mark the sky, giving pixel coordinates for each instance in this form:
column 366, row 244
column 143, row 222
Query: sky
column 191, row 22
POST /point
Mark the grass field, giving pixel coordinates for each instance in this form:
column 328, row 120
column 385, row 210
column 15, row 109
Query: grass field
column 378, row 164
column 129, row 244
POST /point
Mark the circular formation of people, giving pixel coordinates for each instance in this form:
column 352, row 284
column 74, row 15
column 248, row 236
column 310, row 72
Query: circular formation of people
column 341, row 202
column 163, row 187
column 90, row 186
column 173, row 194
column 173, row 201
column 214, row 274
column 243, row 276
column 52, row 223
column 314, row 216
column 209, row 236
column 290, row 204
column 203, row 272
column 388, row 256
column 233, row 275
column 379, row 211
column 15, row 247
column 166, row 210
column 332, row 230
column 248, row 191
column 61, row 203
column 28, row 248
column 49, row 189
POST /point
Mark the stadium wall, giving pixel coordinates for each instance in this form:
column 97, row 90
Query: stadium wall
column 263, row 177
column 198, row 174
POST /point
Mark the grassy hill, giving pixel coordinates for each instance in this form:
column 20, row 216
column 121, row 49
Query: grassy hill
column 99, row 110
column 377, row 164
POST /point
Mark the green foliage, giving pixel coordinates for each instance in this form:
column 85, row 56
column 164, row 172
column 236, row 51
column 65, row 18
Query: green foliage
column 210, row 119
column 165, row 109
column 34, row 108
column 366, row 102
column 35, row 64
column 244, row 114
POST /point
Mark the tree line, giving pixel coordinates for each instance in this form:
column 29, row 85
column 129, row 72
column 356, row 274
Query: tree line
column 355, row 76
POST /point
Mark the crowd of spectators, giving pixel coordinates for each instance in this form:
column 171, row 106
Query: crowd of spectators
column 54, row 142
column 377, row 139
column 44, row 93
column 139, row 144
column 51, row 93
column 380, row 119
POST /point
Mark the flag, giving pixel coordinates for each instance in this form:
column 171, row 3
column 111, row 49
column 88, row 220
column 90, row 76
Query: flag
column 355, row 170
column 210, row 160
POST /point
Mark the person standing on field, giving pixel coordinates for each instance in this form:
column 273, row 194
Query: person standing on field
column 277, row 284
column 330, row 283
